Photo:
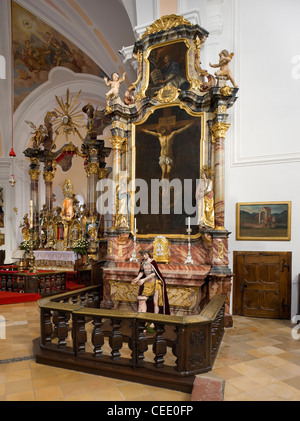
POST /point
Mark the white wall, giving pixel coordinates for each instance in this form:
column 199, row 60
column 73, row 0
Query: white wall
column 262, row 146
column 262, row 152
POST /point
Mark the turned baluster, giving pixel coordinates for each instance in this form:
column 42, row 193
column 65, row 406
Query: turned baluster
column 9, row 283
column 58, row 282
column 46, row 327
column 55, row 322
column 63, row 281
column 52, row 282
column 96, row 299
column 41, row 284
column 21, row 283
column 80, row 333
column 47, row 283
column 97, row 337
column 138, row 343
column 115, row 339
column 179, row 348
column 62, row 329
column 3, row 283
column 90, row 299
column 159, row 345
column 75, row 299
column 14, row 283
column 82, row 298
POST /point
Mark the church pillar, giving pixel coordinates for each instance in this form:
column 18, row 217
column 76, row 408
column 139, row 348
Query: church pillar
column 220, row 280
column 34, row 194
column 218, row 131
column 117, row 143
column 92, row 170
column 48, row 178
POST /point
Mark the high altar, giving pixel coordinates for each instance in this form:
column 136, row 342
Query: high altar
column 167, row 183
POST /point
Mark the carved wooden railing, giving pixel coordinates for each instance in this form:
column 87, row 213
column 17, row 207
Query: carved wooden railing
column 77, row 334
column 44, row 283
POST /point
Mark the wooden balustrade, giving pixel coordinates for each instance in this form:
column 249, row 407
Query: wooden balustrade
column 77, row 334
column 44, row 283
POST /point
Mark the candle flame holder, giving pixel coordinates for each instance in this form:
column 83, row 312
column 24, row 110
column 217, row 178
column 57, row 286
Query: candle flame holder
column 133, row 257
column 189, row 259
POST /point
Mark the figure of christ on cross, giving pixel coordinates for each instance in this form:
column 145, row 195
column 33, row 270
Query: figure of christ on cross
column 166, row 138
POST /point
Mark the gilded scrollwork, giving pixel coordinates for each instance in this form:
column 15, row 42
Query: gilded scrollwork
column 164, row 23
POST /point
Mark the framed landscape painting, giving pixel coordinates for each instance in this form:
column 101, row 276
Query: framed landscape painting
column 268, row 221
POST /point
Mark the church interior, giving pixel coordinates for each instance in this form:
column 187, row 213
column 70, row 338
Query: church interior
column 148, row 217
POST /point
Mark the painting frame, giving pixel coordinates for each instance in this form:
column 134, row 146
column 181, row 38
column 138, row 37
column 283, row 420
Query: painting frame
column 263, row 221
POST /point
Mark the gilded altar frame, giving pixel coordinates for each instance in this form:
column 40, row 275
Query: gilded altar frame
column 166, row 49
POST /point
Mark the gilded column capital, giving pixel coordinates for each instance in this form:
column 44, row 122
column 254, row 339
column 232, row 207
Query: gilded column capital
column 117, row 142
column 34, row 174
column 48, row 176
column 92, row 168
column 34, row 161
column 102, row 173
column 219, row 130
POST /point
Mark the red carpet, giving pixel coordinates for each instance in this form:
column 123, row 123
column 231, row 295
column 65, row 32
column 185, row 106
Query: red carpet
column 70, row 286
column 17, row 297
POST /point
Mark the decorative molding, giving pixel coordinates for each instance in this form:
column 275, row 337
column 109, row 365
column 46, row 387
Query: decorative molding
column 192, row 16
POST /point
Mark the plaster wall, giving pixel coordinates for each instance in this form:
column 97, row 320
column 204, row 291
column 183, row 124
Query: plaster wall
column 262, row 147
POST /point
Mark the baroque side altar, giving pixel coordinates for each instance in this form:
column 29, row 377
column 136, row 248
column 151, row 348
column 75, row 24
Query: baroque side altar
column 166, row 189
column 168, row 145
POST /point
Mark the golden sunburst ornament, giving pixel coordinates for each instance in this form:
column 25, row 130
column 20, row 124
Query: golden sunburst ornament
column 68, row 119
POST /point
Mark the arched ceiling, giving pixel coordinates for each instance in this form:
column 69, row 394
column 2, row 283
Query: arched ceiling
column 100, row 29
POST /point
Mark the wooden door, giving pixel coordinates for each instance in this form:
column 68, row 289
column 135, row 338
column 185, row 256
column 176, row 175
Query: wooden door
column 262, row 284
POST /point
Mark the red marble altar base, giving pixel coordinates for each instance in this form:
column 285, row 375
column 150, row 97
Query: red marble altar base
column 184, row 287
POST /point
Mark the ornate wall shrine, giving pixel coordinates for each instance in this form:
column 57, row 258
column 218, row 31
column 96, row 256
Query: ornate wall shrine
column 64, row 236
column 168, row 145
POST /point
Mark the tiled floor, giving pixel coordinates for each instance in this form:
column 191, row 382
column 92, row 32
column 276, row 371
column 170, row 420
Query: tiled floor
column 258, row 359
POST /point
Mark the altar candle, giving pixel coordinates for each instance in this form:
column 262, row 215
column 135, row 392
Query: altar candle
column 134, row 224
column 189, row 223
column 31, row 214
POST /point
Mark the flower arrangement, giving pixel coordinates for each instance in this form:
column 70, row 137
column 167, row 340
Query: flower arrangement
column 81, row 246
column 25, row 245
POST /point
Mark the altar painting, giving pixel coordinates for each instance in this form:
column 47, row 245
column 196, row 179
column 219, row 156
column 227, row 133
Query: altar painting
column 167, row 64
column 167, row 148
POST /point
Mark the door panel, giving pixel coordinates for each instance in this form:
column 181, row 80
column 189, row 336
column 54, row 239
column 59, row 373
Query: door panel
column 262, row 285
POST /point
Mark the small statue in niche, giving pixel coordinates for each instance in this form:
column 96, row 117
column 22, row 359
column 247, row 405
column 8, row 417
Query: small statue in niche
column 205, row 202
column 25, row 228
column 115, row 84
column 123, row 201
column 225, row 59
